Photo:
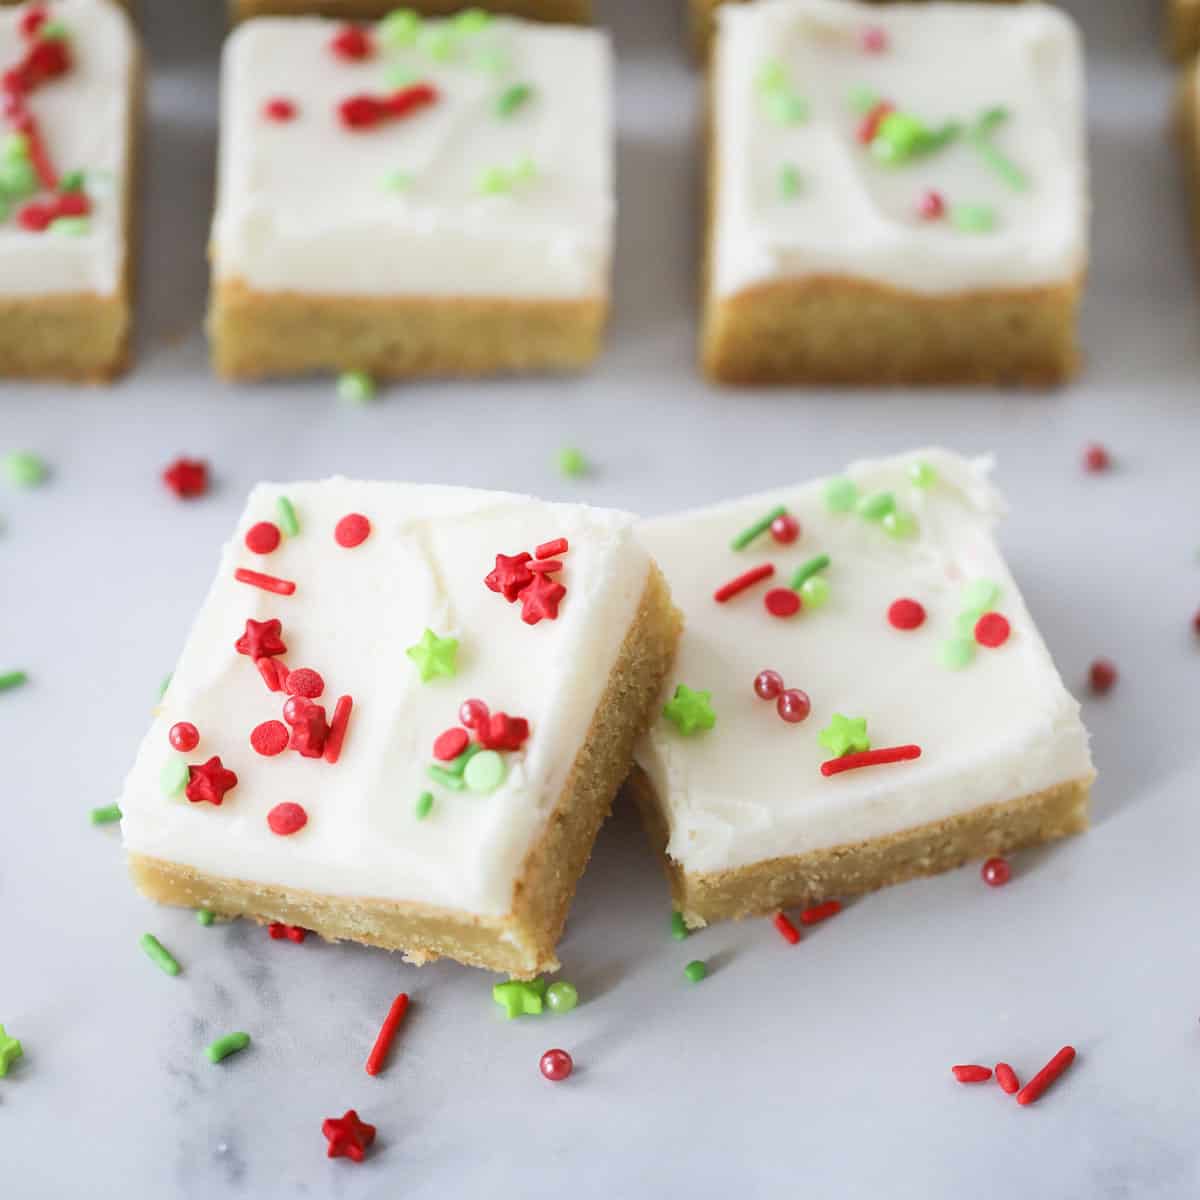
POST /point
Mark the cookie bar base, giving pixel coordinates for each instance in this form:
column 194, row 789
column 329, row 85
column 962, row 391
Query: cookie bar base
column 801, row 880
column 77, row 337
column 1187, row 132
column 521, row 943
column 261, row 334
column 1183, row 28
column 576, row 11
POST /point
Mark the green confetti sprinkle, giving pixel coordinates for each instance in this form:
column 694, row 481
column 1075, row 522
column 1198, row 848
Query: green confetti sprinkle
column 862, row 99
column 679, row 929
column 840, row 495
column 166, row 683
column 805, row 571
column 435, row 657
column 472, row 20
column 223, row 1047
column 401, row 75
column 400, row 28
column 900, row 525
column 876, row 506
column 690, row 712
column 174, row 776
column 14, row 146
column 423, row 806
column 437, row 43
column 355, row 387
column 10, row 1051
column 23, row 469
column 786, row 108
column 790, row 181
column 756, row 530
column 12, row 679
column 520, row 998
column 513, row 98
column 106, row 815
column 845, row 735
column 159, row 955
column 204, row 916
column 72, row 181
column 973, row 218
column 287, row 516
column 485, row 772
column 696, row 970
column 571, row 462
column 815, row 592
column 956, row 652
column 561, row 997
column 446, row 778
column 922, row 475
column 980, row 595
column 70, row 226
column 398, row 180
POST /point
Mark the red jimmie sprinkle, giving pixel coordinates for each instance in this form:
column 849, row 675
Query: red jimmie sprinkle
column 262, row 639
column 337, row 729
column 279, row 108
column 364, row 111
column 409, row 99
column 268, row 583
column 547, row 567
column 1034, row 1089
column 360, row 112
column 351, row 42
column 782, row 602
column 184, row 736
column 1102, row 675
column 187, row 478
column 992, row 630
column 820, row 912
column 387, row 1033
column 278, row 931
column 868, row 127
column 1006, row 1077
column 972, row 1074
column 787, row 930
column 869, row 758
column 450, row 744
column 906, row 614
column 36, row 218
column 304, row 682
column 727, row 591
column 551, row 549
column 263, row 538
column 274, row 673
column 287, row 818
column 270, row 738
column 352, row 530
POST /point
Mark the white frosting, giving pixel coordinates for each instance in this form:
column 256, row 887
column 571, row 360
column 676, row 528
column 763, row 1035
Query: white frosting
column 84, row 120
column 750, row 789
column 304, row 205
column 853, row 216
column 354, row 613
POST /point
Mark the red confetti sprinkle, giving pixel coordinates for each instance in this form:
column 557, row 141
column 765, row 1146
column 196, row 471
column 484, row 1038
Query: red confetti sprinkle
column 387, row 1033
column 278, row 931
column 1034, row 1089
column 540, row 600
column 906, row 614
column 472, row 712
column 996, row 872
column 1006, row 1077
column 209, row 782
column 287, row 818
column 1102, row 675
column 868, row 127
column 262, row 639
column 782, row 602
column 510, row 576
column 309, row 729
column 187, row 478
column 992, row 629
column 820, row 912
column 556, row 1065
column 351, row 42
column 786, row 929
column 1096, row 458
column 279, row 108
column 785, row 529
column 502, row 732
column 337, row 728
column 184, row 736
column 263, row 538
column 304, row 682
column 873, row 40
column 450, row 744
column 870, row 758
column 972, row 1074
column 551, row 549
column 547, row 567
column 268, row 583
column 348, row 1136
column 728, row 590
column 793, row 706
column 768, row 684
column 352, row 530
column 273, row 672
column 270, row 738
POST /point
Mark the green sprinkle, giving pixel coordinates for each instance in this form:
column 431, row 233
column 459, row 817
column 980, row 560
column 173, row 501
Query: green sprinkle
column 18, row 179
column 840, row 495
column 174, row 776
column 472, row 20
column 70, row 226
column 513, row 98
column 72, row 181
column 679, row 929
column 5, row 210
column 204, row 916
column 438, row 43
column 10, row 1051
column 525, row 170
column 973, row 218
column 166, row 683
column 401, row 75
column 815, row 592
column 772, row 77
column 980, row 138
column 571, row 462
column 807, row 570
column 287, row 516
column 980, row 595
column 955, row 653
column 789, row 181
column 862, row 99
column 490, row 59
column 159, row 955
column 561, row 997
column 12, row 679
column 223, row 1047
column 898, row 138
column 966, row 621
column 845, row 735
column 398, row 180
column 899, row 524
column 14, row 146
column 786, row 108
column 456, row 766
column 106, row 815
column 485, row 772
column 496, row 181
column 696, row 970
column 876, row 506
column 23, row 469
column 922, row 475
column 355, row 387
column 424, row 804
column 435, row 657
column 54, row 31
column 759, row 527
column 440, row 775
column 690, row 712
column 400, row 28
column 519, row 998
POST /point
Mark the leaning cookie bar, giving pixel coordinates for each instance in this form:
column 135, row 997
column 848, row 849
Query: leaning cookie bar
column 401, row 717
column 71, row 81
column 541, row 10
column 437, row 199
column 860, row 696
column 898, row 194
column 1183, row 28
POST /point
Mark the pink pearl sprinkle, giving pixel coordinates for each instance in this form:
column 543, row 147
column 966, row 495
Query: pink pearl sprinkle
column 768, row 684
column 793, row 706
column 931, row 207
column 874, row 40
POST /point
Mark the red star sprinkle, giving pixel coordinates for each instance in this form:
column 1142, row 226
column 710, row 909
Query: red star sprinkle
column 287, row 818
column 261, row 639
column 348, row 1136
column 502, row 732
column 187, row 478
column 540, row 600
column 510, row 576
column 210, row 782
column 351, row 42
column 270, row 738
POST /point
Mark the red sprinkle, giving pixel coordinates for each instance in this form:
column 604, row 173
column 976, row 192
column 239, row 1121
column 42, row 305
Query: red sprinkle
column 450, row 744
column 409, row 99
column 304, row 682
column 186, row 477
column 337, row 729
column 184, row 736
column 786, row 929
column 793, row 706
column 502, row 732
column 72, row 204
column 870, row 758
column 1102, row 675
column 540, row 600
column 309, row 729
column 1006, row 1077
column 972, row 1074
column 279, row 108
column 1034, row 1089
column 287, row 818
column 209, row 782
column 352, row 530
column 556, row 1065
column 782, row 602
column 820, row 912
column 1096, row 458
column 351, row 42
column 278, row 931
column 785, row 529
column 262, row 639
column 992, row 629
column 932, row 206
column 551, row 549
column 36, row 218
column 873, row 40
column 510, row 576
column 728, row 590
column 361, row 112
column 869, row 126
column 387, row 1033
column 547, row 566
column 270, row 738
column 906, row 614
column 32, row 19
column 274, row 674
column 263, row 538
column 996, row 872
column 268, row 583
column 348, row 1136
column 472, row 713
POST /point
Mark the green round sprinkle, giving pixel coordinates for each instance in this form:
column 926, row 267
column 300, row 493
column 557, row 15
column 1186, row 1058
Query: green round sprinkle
column 496, row 181
column 70, row 226
column 14, row 146
column 862, row 99
column 12, row 679
column 900, row 524
column 174, row 776
column 922, row 475
column 204, row 916
column 525, row 170
column 398, row 180
column 106, row 815
column 679, row 929
column 162, row 687
column 899, row 137
column 472, row 20
column 805, row 571
column 973, row 218
column 490, row 59
column 956, row 652
column 423, row 805
column 400, row 28
column 561, row 997
column 571, row 462
column 786, row 108
column 22, row 469
column 696, row 970
column 18, row 179
column 53, row 31
column 355, row 387
column 287, row 516
column 513, row 98
column 159, row 955
column 876, row 506
column 980, row 595
column 815, row 592
column 840, row 495
column 72, row 181
column 790, row 181
column 485, row 772
column 438, row 44
column 223, row 1047
column 759, row 527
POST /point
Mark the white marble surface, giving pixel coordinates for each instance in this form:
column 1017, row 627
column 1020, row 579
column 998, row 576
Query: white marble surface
column 820, row 1069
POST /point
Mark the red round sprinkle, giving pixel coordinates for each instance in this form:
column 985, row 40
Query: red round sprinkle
column 1096, row 458
column 304, row 682
column 906, row 614
column 873, row 40
column 352, row 530
column 992, row 629
column 1102, row 675
column 472, row 713
column 785, row 529
column 450, row 744
column 972, row 1074
column 184, row 736
column 287, row 818
column 262, row 538
column 793, row 706
column 35, row 218
column 556, row 1065
column 782, row 602
column 293, row 708
column 279, row 108
column 768, row 684
column 996, row 872
column 932, row 206
column 269, row 738
column 351, row 42
column 187, row 477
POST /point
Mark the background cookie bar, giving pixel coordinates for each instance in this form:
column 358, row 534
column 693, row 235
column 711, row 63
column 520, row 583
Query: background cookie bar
column 401, row 717
column 542, row 10
column 898, row 194
column 860, row 695
column 1183, row 27
column 70, row 89
column 412, row 197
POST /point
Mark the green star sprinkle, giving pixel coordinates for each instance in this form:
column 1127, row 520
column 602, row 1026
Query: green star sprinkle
column 485, row 772
column 899, row 524
column 204, row 916
column 922, row 475
column 956, row 652
column 690, row 712
column 174, row 776
column 513, row 98
column 790, row 181
column 571, row 462
column 400, row 28
column 679, row 929
column 814, row 592
column 434, row 656
column 979, row 595
column 973, row 218
column 70, row 226
column 355, row 387
column 845, row 735
column 107, row 815
column 696, row 970
column 12, row 679
column 23, row 469
column 561, row 997
column 840, row 495
column 876, row 506
column 519, row 998
column 423, row 805
column 10, row 1051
